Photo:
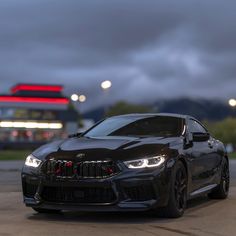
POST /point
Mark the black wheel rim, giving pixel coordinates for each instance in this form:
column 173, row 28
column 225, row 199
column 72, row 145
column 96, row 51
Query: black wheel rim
column 180, row 189
column 225, row 178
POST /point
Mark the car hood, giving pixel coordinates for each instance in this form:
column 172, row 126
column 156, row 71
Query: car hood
column 106, row 147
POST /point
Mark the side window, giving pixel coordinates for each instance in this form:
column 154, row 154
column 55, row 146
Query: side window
column 194, row 126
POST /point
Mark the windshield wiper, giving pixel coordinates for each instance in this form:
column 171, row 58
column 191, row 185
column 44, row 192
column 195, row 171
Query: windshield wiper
column 76, row 135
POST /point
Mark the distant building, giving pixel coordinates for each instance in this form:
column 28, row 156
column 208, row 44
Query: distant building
column 34, row 114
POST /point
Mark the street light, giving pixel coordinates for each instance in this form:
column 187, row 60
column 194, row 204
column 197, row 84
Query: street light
column 232, row 102
column 82, row 98
column 74, row 97
column 106, row 84
column 78, row 98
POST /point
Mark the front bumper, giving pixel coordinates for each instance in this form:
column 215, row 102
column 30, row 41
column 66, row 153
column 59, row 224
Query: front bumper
column 130, row 190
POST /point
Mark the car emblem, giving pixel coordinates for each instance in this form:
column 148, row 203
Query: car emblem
column 80, row 155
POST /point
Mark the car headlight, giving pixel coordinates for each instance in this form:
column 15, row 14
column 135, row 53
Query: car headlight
column 32, row 161
column 145, row 162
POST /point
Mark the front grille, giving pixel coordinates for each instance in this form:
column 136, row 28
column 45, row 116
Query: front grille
column 78, row 195
column 81, row 169
column 140, row 193
column 29, row 189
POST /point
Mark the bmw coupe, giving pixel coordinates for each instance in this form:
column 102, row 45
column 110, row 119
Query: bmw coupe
column 135, row 162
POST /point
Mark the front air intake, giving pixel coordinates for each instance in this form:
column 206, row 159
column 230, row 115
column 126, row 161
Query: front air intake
column 78, row 195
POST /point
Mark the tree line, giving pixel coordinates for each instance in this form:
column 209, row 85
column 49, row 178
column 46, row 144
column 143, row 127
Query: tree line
column 224, row 130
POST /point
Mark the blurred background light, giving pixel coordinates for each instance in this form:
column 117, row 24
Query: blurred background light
column 74, row 97
column 82, row 98
column 106, row 84
column 30, row 125
column 232, row 102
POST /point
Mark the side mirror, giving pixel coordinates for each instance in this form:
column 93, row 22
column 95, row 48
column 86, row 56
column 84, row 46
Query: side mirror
column 74, row 135
column 200, row 137
column 188, row 140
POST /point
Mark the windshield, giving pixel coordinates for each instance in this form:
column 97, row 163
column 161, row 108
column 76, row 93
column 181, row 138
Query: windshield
column 160, row 126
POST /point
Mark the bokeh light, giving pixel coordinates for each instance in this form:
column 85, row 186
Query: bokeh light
column 232, row 102
column 74, row 97
column 82, row 98
column 106, row 84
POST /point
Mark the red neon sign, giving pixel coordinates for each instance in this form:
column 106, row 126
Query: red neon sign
column 28, row 87
column 34, row 100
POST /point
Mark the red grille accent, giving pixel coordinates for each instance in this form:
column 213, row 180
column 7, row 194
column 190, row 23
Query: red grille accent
column 83, row 169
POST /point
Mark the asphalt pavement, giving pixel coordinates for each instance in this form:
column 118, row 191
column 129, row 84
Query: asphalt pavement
column 203, row 217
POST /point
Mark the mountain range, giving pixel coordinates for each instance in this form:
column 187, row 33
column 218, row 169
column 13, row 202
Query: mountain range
column 202, row 109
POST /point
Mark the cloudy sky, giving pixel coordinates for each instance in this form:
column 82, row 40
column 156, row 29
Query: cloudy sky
column 149, row 49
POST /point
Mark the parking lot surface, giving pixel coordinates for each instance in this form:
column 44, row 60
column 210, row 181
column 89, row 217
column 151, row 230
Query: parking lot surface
column 203, row 216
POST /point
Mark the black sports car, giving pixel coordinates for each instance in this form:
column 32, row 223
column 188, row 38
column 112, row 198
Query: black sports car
column 134, row 162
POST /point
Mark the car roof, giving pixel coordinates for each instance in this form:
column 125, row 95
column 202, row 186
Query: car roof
column 146, row 115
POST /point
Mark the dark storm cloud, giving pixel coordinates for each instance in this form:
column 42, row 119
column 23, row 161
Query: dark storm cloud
column 149, row 49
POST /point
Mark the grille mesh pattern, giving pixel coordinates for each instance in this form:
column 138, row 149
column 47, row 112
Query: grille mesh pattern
column 29, row 189
column 140, row 193
column 82, row 169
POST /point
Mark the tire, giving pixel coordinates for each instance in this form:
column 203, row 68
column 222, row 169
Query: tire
column 46, row 211
column 178, row 193
column 222, row 190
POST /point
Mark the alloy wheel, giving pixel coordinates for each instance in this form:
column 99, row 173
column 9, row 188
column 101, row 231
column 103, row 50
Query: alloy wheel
column 180, row 189
column 225, row 177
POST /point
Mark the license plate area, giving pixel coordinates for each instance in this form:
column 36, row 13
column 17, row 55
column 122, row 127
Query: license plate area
column 79, row 194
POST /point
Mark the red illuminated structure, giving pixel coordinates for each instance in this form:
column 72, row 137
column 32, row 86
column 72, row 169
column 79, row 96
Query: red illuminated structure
column 32, row 87
column 34, row 99
column 34, row 114
column 36, row 93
